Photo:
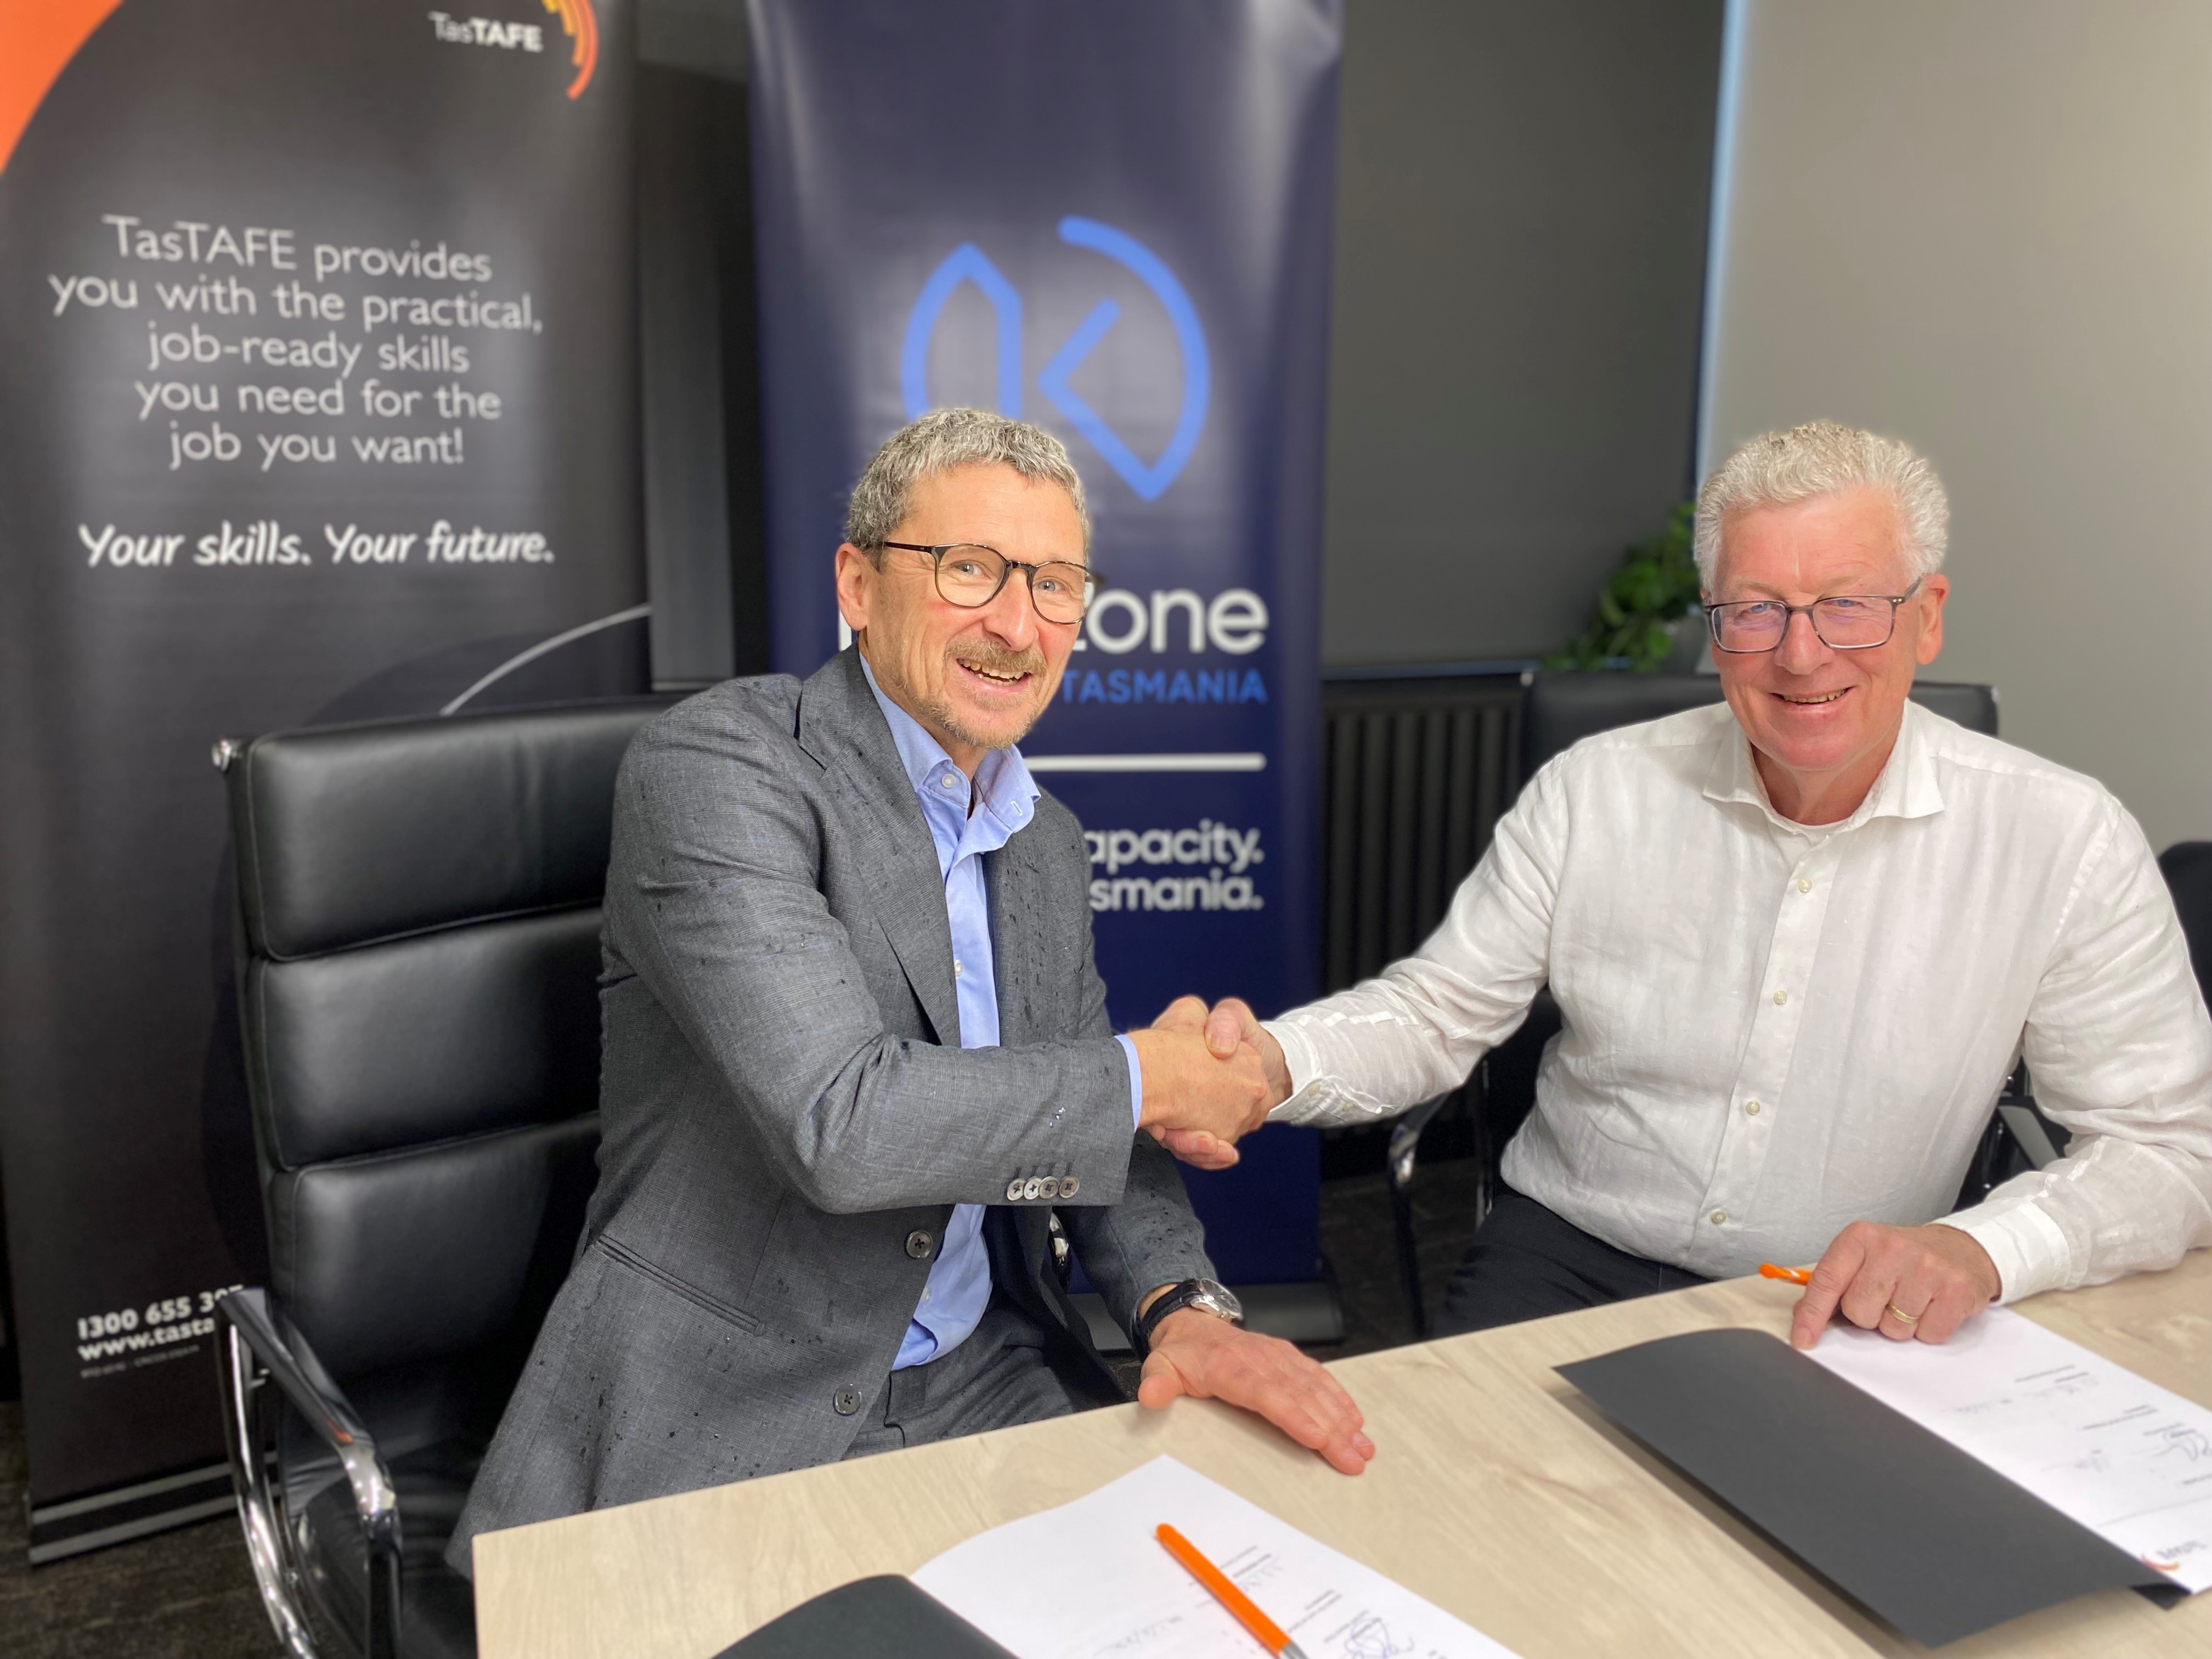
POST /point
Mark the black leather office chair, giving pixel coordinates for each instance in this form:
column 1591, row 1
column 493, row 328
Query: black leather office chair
column 1561, row 710
column 2187, row 866
column 1557, row 712
column 418, row 960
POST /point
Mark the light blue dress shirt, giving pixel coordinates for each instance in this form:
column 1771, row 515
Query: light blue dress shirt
column 1005, row 796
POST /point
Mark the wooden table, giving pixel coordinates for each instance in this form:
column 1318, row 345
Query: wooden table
column 1497, row 1493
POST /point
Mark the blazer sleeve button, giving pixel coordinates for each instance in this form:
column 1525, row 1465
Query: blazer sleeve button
column 919, row 1243
column 846, row 1401
column 1051, row 1186
column 1014, row 1190
column 1033, row 1188
column 1069, row 1186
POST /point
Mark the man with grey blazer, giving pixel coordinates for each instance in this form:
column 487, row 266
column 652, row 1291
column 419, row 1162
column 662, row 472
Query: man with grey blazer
column 859, row 1097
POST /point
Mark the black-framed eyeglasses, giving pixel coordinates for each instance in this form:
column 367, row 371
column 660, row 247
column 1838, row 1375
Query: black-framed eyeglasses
column 1842, row 621
column 970, row 574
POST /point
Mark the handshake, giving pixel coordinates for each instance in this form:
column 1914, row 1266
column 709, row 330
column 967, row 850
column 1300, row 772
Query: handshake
column 1211, row 1076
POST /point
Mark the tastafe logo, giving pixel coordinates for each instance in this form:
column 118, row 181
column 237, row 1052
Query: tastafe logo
column 38, row 41
column 578, row 22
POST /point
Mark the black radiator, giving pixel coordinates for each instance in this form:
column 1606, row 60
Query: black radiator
column 1415, row 776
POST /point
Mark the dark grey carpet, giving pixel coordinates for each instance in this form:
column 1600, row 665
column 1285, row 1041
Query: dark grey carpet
column 189, row 1594
column 184, row 1595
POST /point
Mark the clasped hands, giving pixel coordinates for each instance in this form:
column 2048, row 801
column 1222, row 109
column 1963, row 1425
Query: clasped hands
column 1211, row 1076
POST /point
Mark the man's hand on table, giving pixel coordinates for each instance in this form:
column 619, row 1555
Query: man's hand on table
column 1231, row 1028
column 1204, row 1356
column 1906, row 1282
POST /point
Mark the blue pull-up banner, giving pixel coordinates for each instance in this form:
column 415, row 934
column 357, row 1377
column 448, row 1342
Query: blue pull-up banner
column 1113, row 221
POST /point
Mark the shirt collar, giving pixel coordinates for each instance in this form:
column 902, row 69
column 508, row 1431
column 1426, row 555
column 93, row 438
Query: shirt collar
column 1004, row 787
column 1907, row 788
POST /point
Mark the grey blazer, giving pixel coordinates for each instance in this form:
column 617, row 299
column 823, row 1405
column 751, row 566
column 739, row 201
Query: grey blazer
column 787, row 1117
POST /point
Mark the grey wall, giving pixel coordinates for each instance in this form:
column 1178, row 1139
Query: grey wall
column 1520, row 267
column 1986, row 226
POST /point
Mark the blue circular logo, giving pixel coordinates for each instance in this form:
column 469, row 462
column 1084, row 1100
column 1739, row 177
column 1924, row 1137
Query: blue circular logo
column 969, row 264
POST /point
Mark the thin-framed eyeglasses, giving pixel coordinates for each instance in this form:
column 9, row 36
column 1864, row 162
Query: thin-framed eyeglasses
column 1841, row 621
column 969, row 574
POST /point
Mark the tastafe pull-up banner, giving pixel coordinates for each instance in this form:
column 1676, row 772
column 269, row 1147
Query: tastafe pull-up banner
column 317, row 403
column 1112, row 220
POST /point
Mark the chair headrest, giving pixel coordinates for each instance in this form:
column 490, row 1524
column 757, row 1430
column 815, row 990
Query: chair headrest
column 350, row 834
column 1564, row 709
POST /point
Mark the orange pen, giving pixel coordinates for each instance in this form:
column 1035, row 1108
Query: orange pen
column 1271, row 1635
column 1794, row 1275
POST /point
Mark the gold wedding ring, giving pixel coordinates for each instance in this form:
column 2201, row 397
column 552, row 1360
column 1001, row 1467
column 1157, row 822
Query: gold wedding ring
column 1901, row 1316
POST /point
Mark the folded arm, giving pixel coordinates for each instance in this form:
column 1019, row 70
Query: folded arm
column 2119, row 1047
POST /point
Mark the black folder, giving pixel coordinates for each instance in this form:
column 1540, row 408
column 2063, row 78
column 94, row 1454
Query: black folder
column 882, row 1618
column 1928, row 1538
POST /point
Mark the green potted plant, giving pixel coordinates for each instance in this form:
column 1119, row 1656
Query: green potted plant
column 1647, row 615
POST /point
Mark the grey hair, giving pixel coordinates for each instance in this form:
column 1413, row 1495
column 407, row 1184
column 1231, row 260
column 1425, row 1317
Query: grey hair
column 942, row 441
column 1820, row 458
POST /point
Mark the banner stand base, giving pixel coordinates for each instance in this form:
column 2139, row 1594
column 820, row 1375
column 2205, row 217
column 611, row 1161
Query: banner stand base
column 80, row 1524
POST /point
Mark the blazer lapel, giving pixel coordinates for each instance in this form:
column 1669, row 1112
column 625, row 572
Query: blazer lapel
column 1014, row 886
column 840, row 726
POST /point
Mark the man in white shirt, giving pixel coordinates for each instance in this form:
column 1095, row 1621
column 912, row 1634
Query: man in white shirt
column 1799, row 943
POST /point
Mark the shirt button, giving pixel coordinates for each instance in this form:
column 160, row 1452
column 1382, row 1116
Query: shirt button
column 1717, row 1217
column 1803, row 886
column 1751, row 1108
column 846, row 1401
column 958, row 969
column 918, row 1243
column 952, row 782
column 1781, row 997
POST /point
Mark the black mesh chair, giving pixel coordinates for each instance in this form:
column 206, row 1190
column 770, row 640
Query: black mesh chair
column 418, row 960
column 2187, row 867
column 1557, row 712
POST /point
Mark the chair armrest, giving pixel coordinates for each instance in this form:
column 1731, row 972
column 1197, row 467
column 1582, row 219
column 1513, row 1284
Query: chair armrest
column 2030, row 1132
column 1406, row 1140
column 257, row 1346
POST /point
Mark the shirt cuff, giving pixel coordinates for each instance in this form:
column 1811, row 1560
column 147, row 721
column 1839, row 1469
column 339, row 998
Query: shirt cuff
column 1136, row 1082
column 2025, row 1245
column 1297, row 1060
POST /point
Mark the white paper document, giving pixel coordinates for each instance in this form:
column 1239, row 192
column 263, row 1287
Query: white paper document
column 1089, row 1580
column 2128, row 1460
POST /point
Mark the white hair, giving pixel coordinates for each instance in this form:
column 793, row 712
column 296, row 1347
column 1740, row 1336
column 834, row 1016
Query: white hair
column 1820, row 458
column 942, row 441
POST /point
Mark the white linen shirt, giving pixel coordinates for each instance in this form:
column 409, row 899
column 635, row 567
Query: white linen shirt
column 1772, row 1029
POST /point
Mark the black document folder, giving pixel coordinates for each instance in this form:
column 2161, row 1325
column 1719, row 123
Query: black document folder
column 1928, row 1538
column 884, row 1618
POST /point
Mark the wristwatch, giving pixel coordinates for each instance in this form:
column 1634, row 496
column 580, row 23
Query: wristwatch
column 1206, row 1294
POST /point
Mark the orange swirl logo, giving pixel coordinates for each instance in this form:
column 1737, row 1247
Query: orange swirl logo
column 36, row 44
column 38, row 41
column 581, row 26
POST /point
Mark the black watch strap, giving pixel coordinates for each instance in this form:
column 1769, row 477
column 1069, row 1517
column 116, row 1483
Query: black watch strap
column 1189, row 1292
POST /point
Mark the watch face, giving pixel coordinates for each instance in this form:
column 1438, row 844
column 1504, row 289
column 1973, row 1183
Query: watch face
column 1219, row 1298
